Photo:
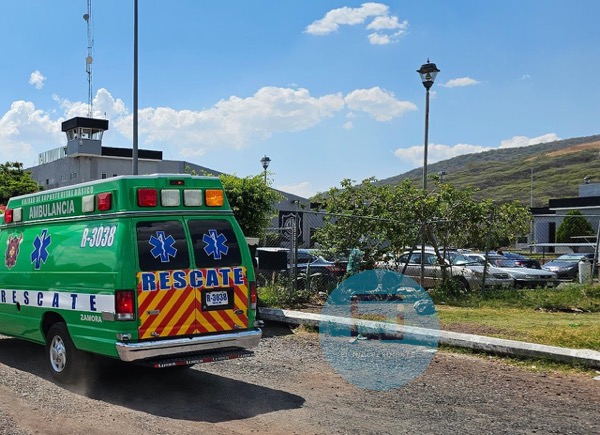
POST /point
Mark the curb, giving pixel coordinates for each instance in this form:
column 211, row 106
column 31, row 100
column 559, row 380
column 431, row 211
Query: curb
column 499, row 346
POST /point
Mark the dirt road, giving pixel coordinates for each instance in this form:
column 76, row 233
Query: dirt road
column 289, row 388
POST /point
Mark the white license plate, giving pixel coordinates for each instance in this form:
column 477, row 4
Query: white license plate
column 215, row 299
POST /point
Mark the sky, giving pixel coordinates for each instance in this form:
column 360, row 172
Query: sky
column 328, row 90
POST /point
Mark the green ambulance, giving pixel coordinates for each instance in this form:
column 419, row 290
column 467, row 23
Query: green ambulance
column 146, row 269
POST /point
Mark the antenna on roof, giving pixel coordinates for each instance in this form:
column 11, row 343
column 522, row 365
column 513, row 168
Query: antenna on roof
column 90, row 51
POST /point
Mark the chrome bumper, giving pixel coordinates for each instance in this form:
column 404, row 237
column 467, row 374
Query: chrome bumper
column 173, row 347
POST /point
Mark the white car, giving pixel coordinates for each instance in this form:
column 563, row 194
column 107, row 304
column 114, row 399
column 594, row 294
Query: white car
column 465, row 271
column 523, row 276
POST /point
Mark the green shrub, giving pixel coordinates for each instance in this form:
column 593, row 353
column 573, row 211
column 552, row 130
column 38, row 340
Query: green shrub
column 572, row 297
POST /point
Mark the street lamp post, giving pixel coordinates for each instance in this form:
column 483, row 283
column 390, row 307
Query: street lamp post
column 265, row 164
column 134, row 152
column 428, row 72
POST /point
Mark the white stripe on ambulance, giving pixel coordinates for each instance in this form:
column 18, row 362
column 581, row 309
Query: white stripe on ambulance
column 59, row 300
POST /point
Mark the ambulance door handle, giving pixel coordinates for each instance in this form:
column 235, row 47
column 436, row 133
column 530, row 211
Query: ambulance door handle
column 153, row 312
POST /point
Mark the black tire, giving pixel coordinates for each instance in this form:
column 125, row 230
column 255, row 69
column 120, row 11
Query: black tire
column 462, row 286
column 67, row 364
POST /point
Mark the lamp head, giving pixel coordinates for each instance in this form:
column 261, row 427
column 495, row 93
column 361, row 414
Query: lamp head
column 265, row 162
column 428, row 72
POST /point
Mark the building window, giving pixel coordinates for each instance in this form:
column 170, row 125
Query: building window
column 47, row 181
column 115, row 175
column 103, row 175
column 73, row 175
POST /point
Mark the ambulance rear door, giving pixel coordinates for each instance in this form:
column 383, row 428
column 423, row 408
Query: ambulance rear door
column 191, row 278
column 224, row 294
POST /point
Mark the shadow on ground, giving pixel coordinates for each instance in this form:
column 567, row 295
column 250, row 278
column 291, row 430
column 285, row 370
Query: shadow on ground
column 178, row 393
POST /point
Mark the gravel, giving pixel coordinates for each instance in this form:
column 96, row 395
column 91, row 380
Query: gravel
column 288, row 387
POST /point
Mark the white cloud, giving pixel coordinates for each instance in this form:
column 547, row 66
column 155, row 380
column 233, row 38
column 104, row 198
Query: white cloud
column 526, row 77
column 37, row 79
column 388, row 28
column 104, row 106
column 460, row 82
column 345, row 16
column 235, row 122
column 231, row 123
column 349, row 125
column 436, row 152
column 380, row 104
column 302, row 189
column 23, row 129
column 523, row 141
column 379, row 39
column 387, row 23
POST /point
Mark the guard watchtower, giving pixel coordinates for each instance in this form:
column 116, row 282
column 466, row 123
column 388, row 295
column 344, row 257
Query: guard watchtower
column 84, row 135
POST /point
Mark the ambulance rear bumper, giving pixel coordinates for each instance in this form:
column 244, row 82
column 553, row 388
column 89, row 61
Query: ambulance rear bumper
column 178, row 346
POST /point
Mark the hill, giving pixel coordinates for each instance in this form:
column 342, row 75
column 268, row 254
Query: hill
column 543, row 171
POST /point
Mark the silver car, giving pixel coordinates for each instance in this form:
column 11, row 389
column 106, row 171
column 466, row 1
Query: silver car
column 524, row 276
column 465, row 271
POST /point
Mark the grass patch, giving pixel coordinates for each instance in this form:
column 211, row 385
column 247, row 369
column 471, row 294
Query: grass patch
column 567, row 316
column 569, row 298
column 575, row 330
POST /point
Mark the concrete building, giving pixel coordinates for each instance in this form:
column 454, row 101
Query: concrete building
column 84, row 158
column 546, row 220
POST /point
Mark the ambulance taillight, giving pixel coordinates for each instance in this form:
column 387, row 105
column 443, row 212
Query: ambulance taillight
column 124, row 303
column 253, row 295
column 104, row 201
column 8, row 216
column 147, row 197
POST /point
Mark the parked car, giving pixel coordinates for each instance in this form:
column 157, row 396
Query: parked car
column 522, row 261
column 566, row 266
column 308, row 261
column 465, row 271
column 316, row 262
column 523, row 276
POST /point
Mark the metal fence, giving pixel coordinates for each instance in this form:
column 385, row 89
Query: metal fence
column 288, row 255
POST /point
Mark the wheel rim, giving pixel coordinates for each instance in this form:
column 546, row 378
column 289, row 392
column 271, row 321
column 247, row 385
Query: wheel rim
column 58, row 354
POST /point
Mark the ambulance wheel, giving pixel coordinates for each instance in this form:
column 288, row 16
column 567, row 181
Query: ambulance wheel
column 67, row 364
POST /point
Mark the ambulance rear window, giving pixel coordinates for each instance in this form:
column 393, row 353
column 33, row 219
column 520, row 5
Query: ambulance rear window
column 162, row 246
column 215, row 243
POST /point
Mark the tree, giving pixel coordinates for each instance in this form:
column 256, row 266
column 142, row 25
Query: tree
column 380, row 219
column 15, row 181
column 252, row 202
column 363, row 217
column 575, row 224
